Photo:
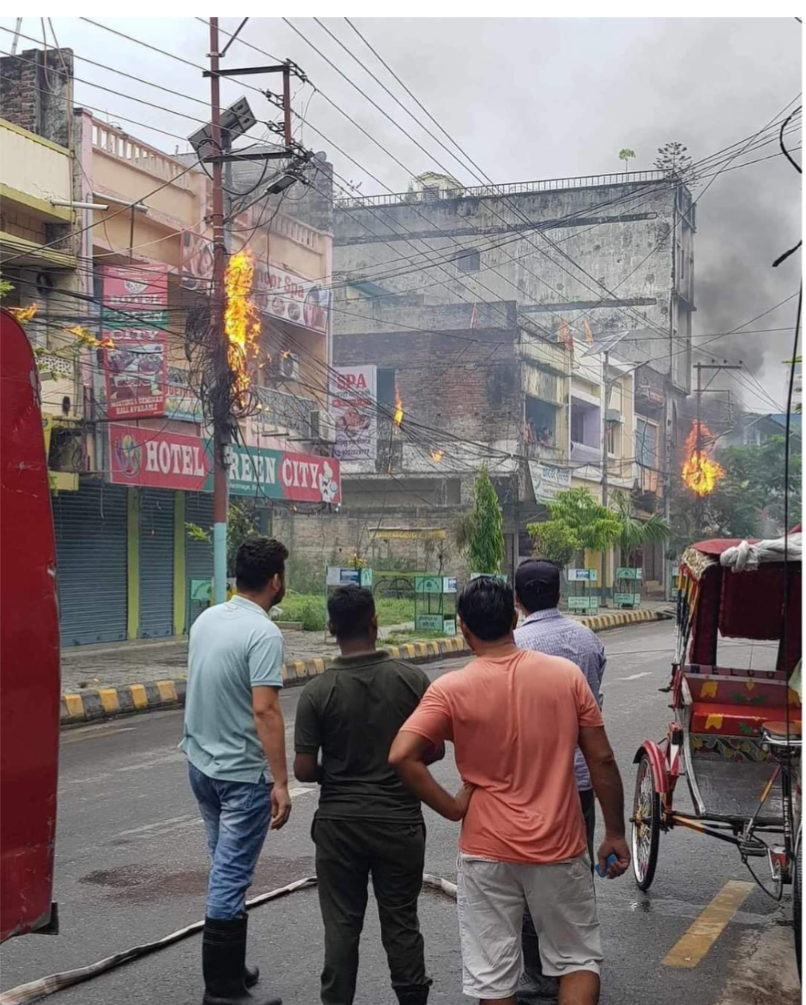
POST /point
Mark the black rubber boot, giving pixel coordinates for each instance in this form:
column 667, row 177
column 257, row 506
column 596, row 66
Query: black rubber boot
column 224, row 964
column 414, row 994
column 251, row 975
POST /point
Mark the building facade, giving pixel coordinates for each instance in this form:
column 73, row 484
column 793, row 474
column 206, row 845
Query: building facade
column 581, row 267
column 122, row 331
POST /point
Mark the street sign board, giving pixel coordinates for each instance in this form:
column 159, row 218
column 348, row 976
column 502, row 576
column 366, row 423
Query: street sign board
column 583, row 603
column 582, row 575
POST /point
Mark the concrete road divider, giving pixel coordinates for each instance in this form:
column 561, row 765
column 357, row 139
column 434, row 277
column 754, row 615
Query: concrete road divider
column 89, row 705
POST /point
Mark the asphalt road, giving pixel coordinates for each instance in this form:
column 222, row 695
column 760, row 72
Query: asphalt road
column 131, row 867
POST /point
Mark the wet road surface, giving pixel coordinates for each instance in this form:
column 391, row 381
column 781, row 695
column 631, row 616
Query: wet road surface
column 131, row 867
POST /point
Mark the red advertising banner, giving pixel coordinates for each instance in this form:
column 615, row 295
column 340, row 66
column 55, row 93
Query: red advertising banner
column 134, row 288
column 135, row 363
column 156, row 457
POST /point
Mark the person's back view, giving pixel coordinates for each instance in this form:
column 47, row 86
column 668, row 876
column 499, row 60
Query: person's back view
column 515, row 718
column 367, row 823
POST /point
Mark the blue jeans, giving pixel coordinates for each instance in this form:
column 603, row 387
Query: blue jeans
column 236, row 817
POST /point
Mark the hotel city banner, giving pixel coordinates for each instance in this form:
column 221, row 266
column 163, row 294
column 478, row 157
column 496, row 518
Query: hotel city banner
column 157, row 458
column 260, row 472
column 162, row 459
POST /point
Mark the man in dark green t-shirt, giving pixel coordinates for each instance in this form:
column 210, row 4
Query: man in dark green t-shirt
column 367, row 822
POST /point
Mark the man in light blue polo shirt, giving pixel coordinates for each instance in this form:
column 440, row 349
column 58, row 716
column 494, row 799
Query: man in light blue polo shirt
column 234, row 738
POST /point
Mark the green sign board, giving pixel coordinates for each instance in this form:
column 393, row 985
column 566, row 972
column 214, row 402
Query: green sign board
column 365, row 578
column 625, row 573
column 428, row 584
column 200, row 590
column 627, row 599
column 449, row 627
column 429, row 623
column 583, row 603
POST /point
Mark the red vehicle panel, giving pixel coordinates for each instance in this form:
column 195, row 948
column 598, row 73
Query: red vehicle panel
column 29, row 647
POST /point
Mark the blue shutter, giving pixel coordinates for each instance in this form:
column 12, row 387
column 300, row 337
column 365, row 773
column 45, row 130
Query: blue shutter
column 156, row 563
column 91, row 533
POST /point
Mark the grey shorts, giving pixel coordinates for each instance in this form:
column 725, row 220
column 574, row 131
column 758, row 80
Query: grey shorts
column 491, row 897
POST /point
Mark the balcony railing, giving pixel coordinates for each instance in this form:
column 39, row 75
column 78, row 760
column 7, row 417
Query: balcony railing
column 118, row 144
column 515, row 188
column 280, row 411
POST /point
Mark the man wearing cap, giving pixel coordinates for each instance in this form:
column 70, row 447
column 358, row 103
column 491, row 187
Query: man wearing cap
column 546, row 630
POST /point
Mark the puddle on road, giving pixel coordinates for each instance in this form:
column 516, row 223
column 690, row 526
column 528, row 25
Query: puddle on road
column 141, row 884
column 763, row 969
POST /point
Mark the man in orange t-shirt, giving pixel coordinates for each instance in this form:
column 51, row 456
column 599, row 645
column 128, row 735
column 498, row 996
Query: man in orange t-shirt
column 515, row 718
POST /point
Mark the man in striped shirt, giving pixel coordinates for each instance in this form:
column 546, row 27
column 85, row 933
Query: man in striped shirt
column 546, row 630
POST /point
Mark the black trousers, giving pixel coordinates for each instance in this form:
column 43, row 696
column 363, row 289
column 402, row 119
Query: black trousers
column 535, row 986
column 347, row 853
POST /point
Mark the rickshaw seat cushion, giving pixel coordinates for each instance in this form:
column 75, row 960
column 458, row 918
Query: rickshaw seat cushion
column 720, row 718
column 778, row 728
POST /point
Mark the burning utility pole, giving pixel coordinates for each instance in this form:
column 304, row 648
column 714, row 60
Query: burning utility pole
column 701, row 473
column 213, row 144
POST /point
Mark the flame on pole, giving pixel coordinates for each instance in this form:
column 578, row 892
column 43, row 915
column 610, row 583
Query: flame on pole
column 398, row 416
column 700, row 472
column 241, row 319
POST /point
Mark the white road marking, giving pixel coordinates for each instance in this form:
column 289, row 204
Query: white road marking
column 184, row 820
column 299, row 792
column 95, row 732
column 635, row 676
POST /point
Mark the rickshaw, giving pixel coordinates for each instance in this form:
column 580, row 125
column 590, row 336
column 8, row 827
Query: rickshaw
column 736, row 732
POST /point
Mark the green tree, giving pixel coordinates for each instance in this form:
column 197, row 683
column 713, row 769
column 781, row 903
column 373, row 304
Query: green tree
column 479, row 533
column 575, row 517
column 635, row 532
column 626, row 155
column 554, row 540
column 673, row 160
column 241, row 524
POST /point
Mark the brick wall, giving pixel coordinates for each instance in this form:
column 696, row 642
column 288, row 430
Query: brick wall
column 21, row 224
column 452, row 378
column 36, row 92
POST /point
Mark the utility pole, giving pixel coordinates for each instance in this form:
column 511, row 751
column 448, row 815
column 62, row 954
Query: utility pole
column 221, row 417
column 605, row 465
column 699, row 367
column 238, row 119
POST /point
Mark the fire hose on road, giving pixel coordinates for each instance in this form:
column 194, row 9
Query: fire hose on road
column 34, row 991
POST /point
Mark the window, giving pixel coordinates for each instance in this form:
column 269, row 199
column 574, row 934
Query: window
column 468, row 261
column 646, row 440
column 613, row 437
column 586, row 424
column 541, row 422
column 386, row 387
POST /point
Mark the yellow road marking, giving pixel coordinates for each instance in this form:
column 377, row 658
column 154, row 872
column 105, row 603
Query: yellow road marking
column 693, row 946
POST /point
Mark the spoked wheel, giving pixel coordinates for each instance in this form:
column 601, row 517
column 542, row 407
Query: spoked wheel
column 645, row 825
column 797, row 897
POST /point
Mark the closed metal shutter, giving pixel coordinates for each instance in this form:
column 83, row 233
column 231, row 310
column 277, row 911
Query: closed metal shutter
column 198, row 553
column 91, row 553
column 156, row 563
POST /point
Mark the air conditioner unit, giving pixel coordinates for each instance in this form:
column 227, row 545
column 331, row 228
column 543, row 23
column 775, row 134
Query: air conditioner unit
column 322, row 426
column 613, row 415
column 287, row 366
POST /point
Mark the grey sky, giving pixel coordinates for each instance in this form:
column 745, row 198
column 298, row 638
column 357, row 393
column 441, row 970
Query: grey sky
column 527, row 99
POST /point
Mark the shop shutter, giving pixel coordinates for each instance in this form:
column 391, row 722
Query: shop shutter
column 91, row 554
column 156, row 563
column 198, row 553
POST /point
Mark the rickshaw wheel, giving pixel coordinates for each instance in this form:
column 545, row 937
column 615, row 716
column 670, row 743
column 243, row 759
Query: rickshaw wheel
column 645, row 825
column 797, row 898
